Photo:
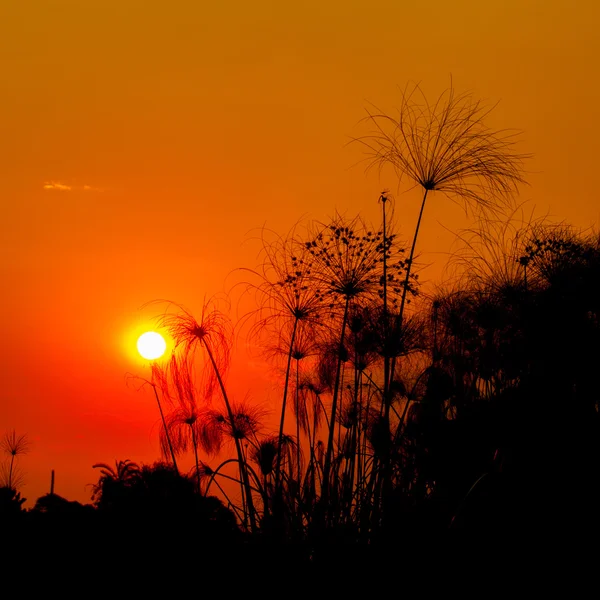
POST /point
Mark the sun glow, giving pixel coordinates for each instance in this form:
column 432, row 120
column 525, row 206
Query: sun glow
column 151, row 345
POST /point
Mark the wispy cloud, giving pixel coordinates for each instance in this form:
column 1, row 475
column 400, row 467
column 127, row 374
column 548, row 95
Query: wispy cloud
column 57, row 185
column 63, row 187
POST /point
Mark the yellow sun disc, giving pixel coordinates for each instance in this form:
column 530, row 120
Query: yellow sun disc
column 151, row 345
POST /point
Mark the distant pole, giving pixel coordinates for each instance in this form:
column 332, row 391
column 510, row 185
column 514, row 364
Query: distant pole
column 52, row 483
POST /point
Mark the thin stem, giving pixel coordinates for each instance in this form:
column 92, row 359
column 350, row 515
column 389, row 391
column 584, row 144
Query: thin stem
column 386, row 359
column 400, row 316
column 162, row 416
column 386, row 471
column 12, row 460
column 298, row 423
column 195, row 444
column 244, row 474
column 329, row 449
column 230, row 504
column 283, row 404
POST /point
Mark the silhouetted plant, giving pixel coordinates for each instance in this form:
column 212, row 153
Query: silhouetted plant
column 469, row 384
column 516, row 346
column 157, row 382
column 313, row 286
column 446, row 147
column 347, row 258
column 113, row 482
column 13, row 445
column 210, row 338
column 57, row 506
column 157, row 497
column 493, row 252
column 187, row 424
column 289, row 299
column 11, row 503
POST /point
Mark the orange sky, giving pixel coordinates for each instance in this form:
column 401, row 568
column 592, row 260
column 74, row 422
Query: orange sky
column 143, row 141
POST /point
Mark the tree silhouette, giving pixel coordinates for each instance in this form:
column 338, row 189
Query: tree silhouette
column 114, row 482
column 11, row 503
column 158, row 496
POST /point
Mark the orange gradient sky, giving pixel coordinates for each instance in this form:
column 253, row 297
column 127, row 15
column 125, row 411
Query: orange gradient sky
column 142, row 142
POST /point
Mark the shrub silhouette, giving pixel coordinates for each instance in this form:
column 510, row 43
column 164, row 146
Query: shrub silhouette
column 158, row 497
column 11, row 503
column 521, row 358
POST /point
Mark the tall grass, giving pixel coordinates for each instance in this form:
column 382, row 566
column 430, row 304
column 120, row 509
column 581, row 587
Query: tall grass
column 364, row 377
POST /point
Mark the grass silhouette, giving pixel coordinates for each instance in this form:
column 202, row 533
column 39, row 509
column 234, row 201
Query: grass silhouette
column 473, row 413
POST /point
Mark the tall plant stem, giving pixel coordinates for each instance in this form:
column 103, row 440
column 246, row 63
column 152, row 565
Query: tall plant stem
column 10, row 471
column 352, row 464
column 244, row 474
column 329, row 449
column 311, row 447
column 340, row 408
column 298, row 424
column 283, row 405
column 400, row 317
column 229, row 503
column 195, row 444
column 434, row 358
column 162, row 416
column 386, row 359
column 386, row 471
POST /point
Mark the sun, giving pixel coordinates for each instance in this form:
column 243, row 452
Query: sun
column 151, row 345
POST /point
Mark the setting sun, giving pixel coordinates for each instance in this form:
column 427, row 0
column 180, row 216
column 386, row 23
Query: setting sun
column 151, row 345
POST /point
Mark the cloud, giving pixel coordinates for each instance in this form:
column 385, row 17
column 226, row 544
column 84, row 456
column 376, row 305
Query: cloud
column 57, row 185
column 63, row 187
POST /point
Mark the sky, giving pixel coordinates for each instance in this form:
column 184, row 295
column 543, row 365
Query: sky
column 144, row 144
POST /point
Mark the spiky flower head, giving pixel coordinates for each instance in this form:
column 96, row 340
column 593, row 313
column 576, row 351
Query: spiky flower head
column 445, row 146
column 189, row 426
column 246, row 423
column 308, row 410
column 348, row 256
column 15, row 445
column 285, row 289
column 210, row 335
column 265, row 453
